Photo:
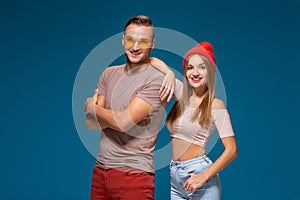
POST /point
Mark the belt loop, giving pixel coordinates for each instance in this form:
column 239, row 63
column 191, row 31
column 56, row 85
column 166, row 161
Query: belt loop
column 206, row 159
column 172, row 163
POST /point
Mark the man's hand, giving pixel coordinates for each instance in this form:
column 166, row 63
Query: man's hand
column 90, row 104
column 91, row 120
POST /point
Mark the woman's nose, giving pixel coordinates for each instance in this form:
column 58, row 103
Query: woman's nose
column 196, row 71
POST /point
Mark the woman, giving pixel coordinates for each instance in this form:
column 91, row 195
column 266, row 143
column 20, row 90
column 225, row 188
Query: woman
column 191, row 122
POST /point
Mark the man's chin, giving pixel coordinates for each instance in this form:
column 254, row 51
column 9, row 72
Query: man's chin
column 134, row 60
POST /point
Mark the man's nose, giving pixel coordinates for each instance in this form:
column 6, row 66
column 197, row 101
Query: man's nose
column 136, row 46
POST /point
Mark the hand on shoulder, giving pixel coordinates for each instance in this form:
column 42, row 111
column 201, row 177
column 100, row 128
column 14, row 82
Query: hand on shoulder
column 218, row 104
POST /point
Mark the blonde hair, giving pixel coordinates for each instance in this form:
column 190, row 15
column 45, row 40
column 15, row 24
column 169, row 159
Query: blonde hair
column 203, row 111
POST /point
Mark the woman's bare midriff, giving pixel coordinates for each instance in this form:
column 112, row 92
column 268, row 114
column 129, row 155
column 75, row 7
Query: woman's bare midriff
column 183, row 150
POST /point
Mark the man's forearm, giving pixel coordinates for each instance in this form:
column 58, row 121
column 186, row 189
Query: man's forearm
column 92, row 123
column 117, row 120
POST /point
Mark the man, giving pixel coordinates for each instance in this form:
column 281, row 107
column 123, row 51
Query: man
column 127, row 107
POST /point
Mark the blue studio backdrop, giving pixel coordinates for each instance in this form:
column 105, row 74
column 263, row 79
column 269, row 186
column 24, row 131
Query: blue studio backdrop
column 45, row 43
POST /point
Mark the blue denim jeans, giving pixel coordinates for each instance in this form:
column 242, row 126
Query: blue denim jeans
column 179, row 172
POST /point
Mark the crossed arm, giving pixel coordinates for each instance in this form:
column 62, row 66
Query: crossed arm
column 98, row 117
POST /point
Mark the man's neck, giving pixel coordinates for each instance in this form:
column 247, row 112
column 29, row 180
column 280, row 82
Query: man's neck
column 131, row 68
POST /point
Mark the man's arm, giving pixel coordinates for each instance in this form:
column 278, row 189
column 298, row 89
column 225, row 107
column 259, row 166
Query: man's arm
column 124, row 120
column 91, row 120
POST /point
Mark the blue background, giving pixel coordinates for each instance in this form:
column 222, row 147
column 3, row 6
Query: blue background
column 43, row 44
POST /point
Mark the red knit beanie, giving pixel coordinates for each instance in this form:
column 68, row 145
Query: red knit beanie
column 205, row 49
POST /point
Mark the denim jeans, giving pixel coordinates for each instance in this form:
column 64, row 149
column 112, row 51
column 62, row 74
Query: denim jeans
column 179, row 172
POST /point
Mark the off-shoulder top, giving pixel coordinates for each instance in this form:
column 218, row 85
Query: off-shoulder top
column 183, row 128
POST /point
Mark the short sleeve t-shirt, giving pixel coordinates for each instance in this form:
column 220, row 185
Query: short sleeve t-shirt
column 133, row 148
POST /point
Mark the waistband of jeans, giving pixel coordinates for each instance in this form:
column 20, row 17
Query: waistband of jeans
column 203, row 158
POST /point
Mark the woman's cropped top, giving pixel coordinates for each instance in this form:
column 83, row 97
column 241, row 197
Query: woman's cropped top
column 183, row 128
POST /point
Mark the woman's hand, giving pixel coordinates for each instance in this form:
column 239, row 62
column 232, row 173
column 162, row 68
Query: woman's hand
column 168, row 85
column 167, row 88
column 194, row 182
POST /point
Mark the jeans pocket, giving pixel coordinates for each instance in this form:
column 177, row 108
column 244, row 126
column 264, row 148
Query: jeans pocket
column 196, row 168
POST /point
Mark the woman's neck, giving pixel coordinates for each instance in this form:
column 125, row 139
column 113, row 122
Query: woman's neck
column 197, row 96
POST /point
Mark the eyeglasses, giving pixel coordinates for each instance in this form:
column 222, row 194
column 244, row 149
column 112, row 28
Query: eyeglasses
column 129, row 42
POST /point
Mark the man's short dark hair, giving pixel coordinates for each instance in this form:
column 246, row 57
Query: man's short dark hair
column 139, row 20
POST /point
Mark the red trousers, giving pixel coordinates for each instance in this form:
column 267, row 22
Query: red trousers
column 122, row 184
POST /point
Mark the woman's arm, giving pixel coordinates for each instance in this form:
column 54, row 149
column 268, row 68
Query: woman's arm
column 229, row 154
column 167, row 88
